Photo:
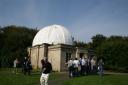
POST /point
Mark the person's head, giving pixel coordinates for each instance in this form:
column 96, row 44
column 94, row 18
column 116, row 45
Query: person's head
column 25, row 57
column 45, row 59
column 101, row 60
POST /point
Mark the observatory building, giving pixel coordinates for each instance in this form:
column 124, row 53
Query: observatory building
column 56, row 43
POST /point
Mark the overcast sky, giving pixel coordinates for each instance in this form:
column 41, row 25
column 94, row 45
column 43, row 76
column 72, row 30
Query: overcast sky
column 83, row 18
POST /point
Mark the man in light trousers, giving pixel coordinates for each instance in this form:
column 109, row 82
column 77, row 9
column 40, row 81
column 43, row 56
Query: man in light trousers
column 47, row 67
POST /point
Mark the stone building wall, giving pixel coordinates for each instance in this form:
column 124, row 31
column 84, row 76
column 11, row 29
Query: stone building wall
column 41, row 55
column 83, row 51
column 43, row 52
column 34, row 57
column 66, row 49
column 57, row 55
column 54, row 53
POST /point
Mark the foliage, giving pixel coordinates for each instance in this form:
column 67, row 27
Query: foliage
column 97, row 41
column 80, row 44
column 14, row 41
column 113, row 50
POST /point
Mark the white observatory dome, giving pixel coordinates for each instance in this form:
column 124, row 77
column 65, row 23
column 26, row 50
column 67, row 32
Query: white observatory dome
column 54, row 34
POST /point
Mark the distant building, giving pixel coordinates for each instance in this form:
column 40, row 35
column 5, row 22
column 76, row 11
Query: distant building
column 56, row 43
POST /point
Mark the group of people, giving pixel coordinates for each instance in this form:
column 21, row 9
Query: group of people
column 84, row 66
column 76, row 67
column 26, row 66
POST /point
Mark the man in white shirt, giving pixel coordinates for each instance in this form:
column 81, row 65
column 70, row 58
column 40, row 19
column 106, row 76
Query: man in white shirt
column 93, row 64
column 83, row 66
column 76, row 64
column 70, row 67
column 15, row 64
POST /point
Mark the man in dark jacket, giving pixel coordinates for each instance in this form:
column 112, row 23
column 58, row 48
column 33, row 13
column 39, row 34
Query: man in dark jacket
column 27, row 67
column 46, row 69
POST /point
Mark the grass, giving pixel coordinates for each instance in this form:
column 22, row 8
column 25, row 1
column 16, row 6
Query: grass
column 113, row 79
column 9, row 78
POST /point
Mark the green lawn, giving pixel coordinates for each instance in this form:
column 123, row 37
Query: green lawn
column 8, row 78
column 113, row 79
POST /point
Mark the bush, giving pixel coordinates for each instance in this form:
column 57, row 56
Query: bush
column 114, row 52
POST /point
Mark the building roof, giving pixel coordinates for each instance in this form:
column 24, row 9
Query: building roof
column 54, row 34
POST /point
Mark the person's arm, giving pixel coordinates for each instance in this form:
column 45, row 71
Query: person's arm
column 50, row 67
column 43, row 69
column 44, row 66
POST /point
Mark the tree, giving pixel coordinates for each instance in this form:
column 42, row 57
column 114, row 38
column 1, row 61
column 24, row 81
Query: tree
column 14, row 41
column 114, row 52
column 97, row 40
column 80, row 44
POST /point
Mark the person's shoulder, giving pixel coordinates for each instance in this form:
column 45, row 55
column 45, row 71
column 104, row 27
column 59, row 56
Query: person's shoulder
column 49, row 63
column 42, row 59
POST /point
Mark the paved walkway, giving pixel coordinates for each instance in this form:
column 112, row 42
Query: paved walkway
column 108, row 72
